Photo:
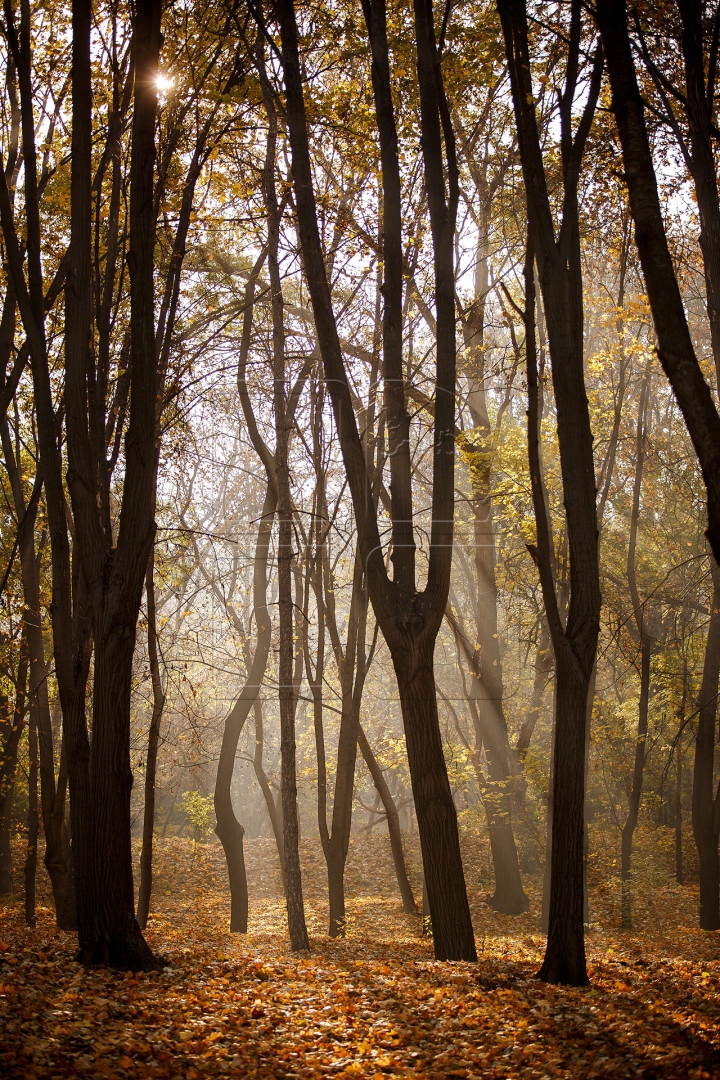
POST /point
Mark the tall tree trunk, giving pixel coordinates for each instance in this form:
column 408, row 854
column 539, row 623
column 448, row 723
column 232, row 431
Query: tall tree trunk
column 645, row 640
column 57, row 852
column 575, row 641
column 293, row 878
column 34, row 812
column 71, row 642
column 146, row 875
column 705, row 800
column 675, row 346
column 228, row 828
column 409, row 619
column 114, row 572
column 393, row 823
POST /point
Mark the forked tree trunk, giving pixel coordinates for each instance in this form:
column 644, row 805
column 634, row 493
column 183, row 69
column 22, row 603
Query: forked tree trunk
column 409, row 619
column 146, row 855
column 558, row 256
column 286, row 692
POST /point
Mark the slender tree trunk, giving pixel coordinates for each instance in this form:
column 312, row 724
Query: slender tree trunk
column 70, row 633
column 678, row 816
column 57, row 851
column 496, row 791
column 393, row 823
column 705, row 800
column 146, row 875
column 640, row 619
column 33, row 819
column 228, row 828
column 12, row 732
column 274, row 809
column 293, row 879
column 630, row 825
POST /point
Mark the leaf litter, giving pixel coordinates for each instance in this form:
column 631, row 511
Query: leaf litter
column 374, row 1004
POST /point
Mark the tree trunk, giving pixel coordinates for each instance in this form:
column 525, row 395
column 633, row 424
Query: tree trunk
column 675, row 345
column 33, row 819
column 12, row 729
column 291, row 836
column 409, row 619
column 496, row 791
column 678, row 815
column 274, row 809
column 640, row 618
column 56, row 847
column 705, row 801
column 145, row 890
column 557, row 251
column 393, row 823
column 434, row 805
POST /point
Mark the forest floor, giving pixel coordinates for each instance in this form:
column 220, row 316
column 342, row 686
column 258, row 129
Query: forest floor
column 372, row 1005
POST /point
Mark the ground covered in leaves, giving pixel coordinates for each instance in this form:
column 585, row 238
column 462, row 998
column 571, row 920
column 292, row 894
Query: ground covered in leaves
column 373, row 1005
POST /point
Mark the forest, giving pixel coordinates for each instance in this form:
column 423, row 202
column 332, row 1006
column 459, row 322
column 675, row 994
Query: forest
column 359, row 538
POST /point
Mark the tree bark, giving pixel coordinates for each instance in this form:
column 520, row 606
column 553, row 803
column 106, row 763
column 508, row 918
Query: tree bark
column 675, row 346
column 409, row 619
column 57, row 851
column 574, row 642
column 34, row 812
column 645, row 642
column 146, row 874
column 12, row 729
column 71, row 642
column 227, row 827
column 283, row 421
column 705, row 800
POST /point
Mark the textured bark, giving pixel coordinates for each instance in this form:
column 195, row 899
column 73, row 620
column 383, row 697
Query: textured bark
column 146, row 876
column 409, row 619
column 574, row 642
column 114, row 571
